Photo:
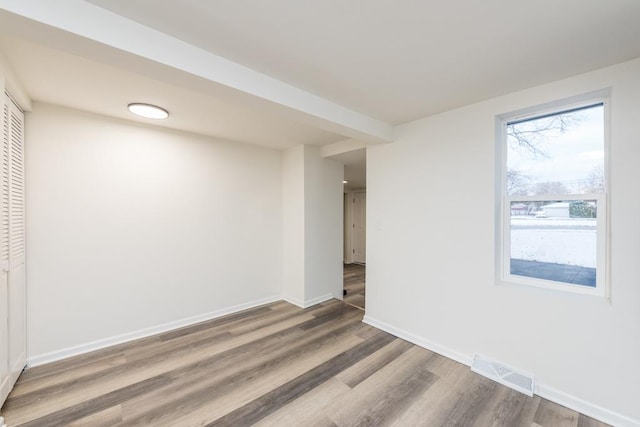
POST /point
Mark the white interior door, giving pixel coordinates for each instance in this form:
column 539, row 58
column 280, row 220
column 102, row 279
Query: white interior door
column 4, row 254
column 13, row 355
column 346, row 241
column 359, row 227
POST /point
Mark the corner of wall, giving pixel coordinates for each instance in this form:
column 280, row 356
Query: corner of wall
column 308, row 303
column 312, row 226
column 11, row 84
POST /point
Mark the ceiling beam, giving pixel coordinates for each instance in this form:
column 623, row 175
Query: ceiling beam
column 341, row 147
column 128, row 44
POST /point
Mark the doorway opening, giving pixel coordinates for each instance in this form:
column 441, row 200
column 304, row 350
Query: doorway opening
column 355, row 232
column 354, row 280
column 355, row 225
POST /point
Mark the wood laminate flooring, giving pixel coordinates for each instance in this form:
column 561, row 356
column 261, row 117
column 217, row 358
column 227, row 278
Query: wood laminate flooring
column 274, row 365
column 354, row 280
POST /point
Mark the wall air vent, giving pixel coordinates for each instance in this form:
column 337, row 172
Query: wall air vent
column 505, row 375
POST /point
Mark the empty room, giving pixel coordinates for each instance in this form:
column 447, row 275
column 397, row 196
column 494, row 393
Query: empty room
column 330, row 213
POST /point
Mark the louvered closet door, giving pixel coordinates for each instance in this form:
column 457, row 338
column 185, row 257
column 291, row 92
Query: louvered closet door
column 12, row 240
column 4, row 254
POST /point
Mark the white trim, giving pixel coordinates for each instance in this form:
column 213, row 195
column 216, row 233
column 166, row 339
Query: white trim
column 584, row 407
column 587, row 408
column 594, row 97
column 308, row 303
column 429, row 345
column 293, row 300
column 141, row 333
column 318, row 300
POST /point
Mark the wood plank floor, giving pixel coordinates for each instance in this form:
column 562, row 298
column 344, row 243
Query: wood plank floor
column 354, row 284
column 275, row 365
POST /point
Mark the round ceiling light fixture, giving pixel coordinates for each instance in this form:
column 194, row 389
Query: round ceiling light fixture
column 345, row 182
column 148, row 111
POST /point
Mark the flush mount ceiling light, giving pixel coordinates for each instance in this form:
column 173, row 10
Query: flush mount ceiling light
column 148, row 111
column 345, row 182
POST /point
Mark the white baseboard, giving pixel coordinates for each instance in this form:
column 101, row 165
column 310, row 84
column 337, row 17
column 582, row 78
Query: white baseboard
column 546, row 392
column 293, row 300
column 586, row 408
column 318, row 300
column 141, row 333
column 429, row 345
column 307, row 303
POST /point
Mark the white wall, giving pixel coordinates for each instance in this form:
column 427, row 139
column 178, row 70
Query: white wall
column 132, row 226
column 312, row 226
column 3, row 72
column 293, row 225
column 430, row 271
column 10, row 83
column 323, row 226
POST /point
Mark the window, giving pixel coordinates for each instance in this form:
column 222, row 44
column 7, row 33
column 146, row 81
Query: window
column 553, row 211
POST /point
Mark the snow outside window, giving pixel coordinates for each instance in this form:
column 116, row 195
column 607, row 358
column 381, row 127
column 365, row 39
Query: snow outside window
column 553, row 198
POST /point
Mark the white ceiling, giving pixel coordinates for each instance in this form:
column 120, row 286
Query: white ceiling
column 284, row 72
column 61, row 78
column 401, row 60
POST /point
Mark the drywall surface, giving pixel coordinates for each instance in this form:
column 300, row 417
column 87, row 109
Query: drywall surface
column 131, row 226
column 323, row 226
column 430, row 251
column 3, row 72
column 312, row 226
column 11, row 84
column 293, row 253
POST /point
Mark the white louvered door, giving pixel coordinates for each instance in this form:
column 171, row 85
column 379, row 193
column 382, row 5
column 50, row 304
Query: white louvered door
column 4, row 253
column 12, row 249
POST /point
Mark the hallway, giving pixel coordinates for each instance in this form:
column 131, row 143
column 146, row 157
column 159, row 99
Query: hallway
column 354, row 284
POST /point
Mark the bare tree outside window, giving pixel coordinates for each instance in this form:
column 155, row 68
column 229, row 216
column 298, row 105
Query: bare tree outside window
column 517, row 183
column 532, row 135
column 553, row 154
column 555, row 173
column 549, row 187
column 595, row 180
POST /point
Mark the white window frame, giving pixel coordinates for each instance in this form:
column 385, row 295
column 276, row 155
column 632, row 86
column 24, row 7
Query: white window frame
column 503, row 205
